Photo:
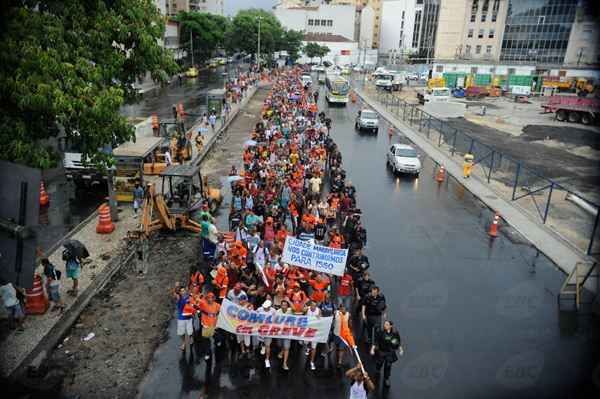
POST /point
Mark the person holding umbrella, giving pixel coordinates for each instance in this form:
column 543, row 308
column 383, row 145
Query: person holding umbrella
column 73, row 254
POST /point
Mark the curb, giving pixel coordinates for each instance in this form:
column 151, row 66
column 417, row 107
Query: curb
column 58, row 331
column 565, row 260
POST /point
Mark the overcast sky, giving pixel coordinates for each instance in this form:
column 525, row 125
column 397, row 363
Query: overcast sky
column 233, row 6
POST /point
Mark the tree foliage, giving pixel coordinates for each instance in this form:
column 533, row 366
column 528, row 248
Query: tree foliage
column 71, row 64
column 313, row 50
column 208, row 32
column 242, row 34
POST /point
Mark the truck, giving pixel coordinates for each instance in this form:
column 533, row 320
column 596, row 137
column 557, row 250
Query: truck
column 574, row 109
column 436, row 94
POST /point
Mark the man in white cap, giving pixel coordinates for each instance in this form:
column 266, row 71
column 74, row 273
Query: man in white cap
column 267, row 310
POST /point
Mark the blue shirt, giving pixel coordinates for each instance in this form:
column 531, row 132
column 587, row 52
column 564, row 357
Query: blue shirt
column 72, row 264
column 181, row 302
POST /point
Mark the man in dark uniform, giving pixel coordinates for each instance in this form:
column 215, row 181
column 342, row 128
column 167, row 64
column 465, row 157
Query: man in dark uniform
column 386, row 346
column 373, row 309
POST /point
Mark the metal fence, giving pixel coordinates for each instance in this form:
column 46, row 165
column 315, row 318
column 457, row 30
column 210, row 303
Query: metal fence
column 547, row 200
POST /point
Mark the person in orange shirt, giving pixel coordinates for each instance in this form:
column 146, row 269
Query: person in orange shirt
column 221, row 281
column 209, row 311
column 298, row 299
column 319, row 285
column 196, row 280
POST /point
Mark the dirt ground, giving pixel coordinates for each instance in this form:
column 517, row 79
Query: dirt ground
column 130, row 315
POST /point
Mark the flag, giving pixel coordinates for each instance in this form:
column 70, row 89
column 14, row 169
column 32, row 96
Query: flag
column 262, row 273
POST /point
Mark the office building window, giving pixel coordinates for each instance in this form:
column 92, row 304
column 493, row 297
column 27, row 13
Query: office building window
column 474, row 6
column 488, row 50
column 323, row 22
column 478, row 49
column 481, row 34
column 417, row 29
column 310, row 22
column 470, row 34
column 483, row 17
column 474, row 69
column 468, row 49
column 317, row 22
column 439, row 68
column 494, row 17
column 330, row 22
column 473, row 17
column 486, row 6
column 491, row 34
column 402, row 14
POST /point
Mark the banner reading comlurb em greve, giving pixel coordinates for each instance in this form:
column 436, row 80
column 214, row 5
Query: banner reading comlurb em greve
column 239, row 320
column 314, row 257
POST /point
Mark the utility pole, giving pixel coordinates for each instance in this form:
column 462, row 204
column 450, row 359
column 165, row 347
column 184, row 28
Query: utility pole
column 258, row 46
column 192, row 46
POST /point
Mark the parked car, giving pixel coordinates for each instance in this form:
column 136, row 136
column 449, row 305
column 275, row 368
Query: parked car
column 403, row 158
column 367, row 120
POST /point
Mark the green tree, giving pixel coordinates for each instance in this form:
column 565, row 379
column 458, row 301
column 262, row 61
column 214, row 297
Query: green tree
column 242, row 34
column 208, row 32
column 313, row 50
column 291, row 42
column 70, row 65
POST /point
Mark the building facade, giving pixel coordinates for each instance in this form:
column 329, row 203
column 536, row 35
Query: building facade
column 173, row 7
column 471, row 29
column 538, row 31
column 584, row 40
column 342, row 51
column 397, row 29
column 319, row 19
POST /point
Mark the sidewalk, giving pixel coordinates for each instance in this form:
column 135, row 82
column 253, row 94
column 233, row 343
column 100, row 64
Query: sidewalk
column 547, row 241
column 107, row 254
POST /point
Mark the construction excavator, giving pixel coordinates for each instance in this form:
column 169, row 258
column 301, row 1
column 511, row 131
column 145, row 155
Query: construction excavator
column 183, row 192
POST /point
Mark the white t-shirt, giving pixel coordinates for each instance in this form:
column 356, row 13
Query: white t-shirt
column 358, row 391
column 315, row 184
column 213, row 233
column 168, row 160
column 237, row 298
column 9, row 295
column 315, row 313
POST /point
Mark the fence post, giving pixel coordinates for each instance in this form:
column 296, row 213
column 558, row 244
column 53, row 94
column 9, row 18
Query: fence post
column 404, row 111
column 589, row 250
column 548, row 202
column 491, row 167
column 516, row 181
column 454, row 141
column 420, row 120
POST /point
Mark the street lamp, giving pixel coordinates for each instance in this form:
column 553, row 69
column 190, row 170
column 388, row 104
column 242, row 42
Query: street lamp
column 258, row 44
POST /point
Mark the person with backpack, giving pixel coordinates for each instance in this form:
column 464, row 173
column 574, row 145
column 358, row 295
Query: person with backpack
column 53, row 276
column 386, row 347
column 73, row 268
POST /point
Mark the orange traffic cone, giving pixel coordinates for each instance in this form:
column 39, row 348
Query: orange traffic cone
column 105, row 224
column 35, row 299
column 494, row 226
column 441, row 174
column 44, row 199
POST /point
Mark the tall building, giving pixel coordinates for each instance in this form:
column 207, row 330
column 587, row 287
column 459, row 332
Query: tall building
column 552, row 32
column 173, row 7
column 538, row 31
column 471, row 29
column 397, row 29
column 584, row 40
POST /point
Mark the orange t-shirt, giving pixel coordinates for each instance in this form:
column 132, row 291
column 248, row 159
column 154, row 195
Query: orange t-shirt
column 209, row 313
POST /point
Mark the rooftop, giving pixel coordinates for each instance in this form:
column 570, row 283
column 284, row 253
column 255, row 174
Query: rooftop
column 325, row 37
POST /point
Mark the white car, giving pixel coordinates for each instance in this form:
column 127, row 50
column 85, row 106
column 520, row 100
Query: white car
column 367, row 120
column 403, row 158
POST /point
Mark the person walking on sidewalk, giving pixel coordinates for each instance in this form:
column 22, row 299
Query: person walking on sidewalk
column 73, row 267
column 12, row 305
column 212, row 119
column 138, row 197
column 53, row 278
column 386, row 347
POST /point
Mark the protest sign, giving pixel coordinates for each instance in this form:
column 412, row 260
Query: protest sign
column 239, row 320
column 314, row 257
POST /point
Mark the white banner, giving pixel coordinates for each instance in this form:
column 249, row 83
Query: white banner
column 314, row 257
column 239, row 320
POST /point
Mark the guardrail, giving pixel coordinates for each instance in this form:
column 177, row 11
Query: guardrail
column 511, row 179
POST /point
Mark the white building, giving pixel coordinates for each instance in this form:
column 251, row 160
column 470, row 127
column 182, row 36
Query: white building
column 397, row 28
column 210, row 6
column 367, row 16
column 342, row 50
column 319, row 19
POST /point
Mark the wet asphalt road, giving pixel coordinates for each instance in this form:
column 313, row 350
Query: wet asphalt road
column 70, row 205
column 478, row 318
